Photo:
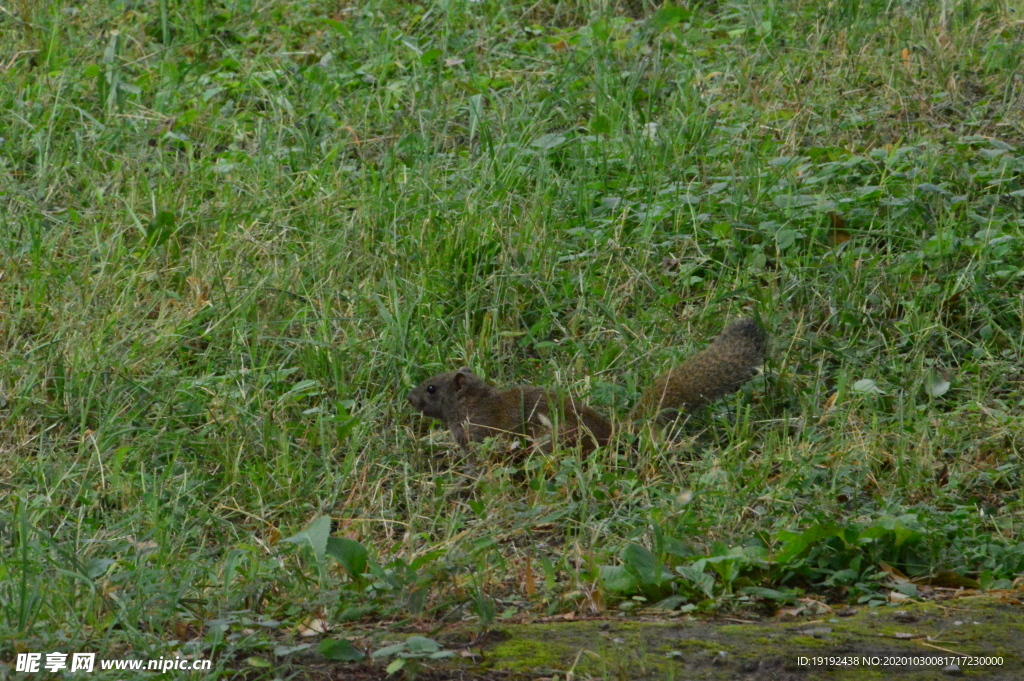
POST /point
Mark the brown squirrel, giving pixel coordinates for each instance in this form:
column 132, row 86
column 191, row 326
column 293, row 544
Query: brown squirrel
column 472, row 409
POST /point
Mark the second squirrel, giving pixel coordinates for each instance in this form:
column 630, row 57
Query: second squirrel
column 472, row 409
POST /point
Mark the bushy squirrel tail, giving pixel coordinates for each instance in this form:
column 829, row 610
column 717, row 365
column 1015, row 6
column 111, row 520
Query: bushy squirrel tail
column 721, row 368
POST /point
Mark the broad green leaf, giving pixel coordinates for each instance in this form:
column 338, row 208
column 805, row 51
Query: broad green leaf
column 785, row 238
column 315, row 535
column 600, row 125
column 351, row 554
column 666, row 17
column 788, row 201
column 617, row 579
column 794, row 547
column 549, row 141
column 98, row 567
column 866, row 385
column 420, row 645
column 340, row 649
column 937, row 387
column 670, row 603
column 676, row 547
column 388, row 651
column 695, row 575
column 770, row 594
column 641, row 563
column 160, row 228
column 441, row 654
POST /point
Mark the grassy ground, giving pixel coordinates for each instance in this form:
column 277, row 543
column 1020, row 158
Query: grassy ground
column 235, row 233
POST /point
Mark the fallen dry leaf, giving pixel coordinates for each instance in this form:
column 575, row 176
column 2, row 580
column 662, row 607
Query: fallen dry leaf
column 827, row 408
column 529, row 583
column 314, row 626
column 669, row 264
column 897, row 576
column 273, row 536
column 815, row 607
column 837, row 234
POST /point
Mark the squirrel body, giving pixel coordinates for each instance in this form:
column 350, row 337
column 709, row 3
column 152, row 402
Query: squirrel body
column 472, row 409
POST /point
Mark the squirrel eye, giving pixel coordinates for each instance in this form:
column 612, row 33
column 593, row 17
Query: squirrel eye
column 431, row 389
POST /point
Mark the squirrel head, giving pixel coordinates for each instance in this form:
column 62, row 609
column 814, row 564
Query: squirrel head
column 440, row 396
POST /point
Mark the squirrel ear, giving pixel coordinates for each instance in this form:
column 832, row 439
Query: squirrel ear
column 459, row 379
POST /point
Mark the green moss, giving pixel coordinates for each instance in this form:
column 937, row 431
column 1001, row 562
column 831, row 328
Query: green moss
column 693, row 649
column 527, row 652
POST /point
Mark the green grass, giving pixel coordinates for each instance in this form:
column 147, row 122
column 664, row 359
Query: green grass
column 235, row 234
